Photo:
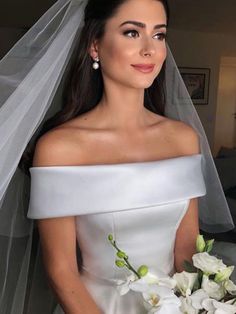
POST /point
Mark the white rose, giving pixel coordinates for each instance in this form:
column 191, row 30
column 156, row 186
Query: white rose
column 185, row 282
column 197, row 298
column 224, row 274
column 192, row 304
column 230, row 287
column 186, row 306
column 213, row 289
column 207, row 263
column 213, row 306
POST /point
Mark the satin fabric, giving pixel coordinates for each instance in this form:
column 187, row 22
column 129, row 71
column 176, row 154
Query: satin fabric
column 141, row 204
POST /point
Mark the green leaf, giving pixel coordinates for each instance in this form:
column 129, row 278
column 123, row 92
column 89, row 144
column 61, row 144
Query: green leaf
column 209, row 245
column 189, row 267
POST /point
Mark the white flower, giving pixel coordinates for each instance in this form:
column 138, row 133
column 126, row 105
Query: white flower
column 213, row 289
column 197, row 298
column 153, row 277
column 185, row 282
column 166, row 309
column 224, row 274
column 123, row 286
column 215, row 307
column 230, row 287
column 207, row 263
column 160, row 299
column 186, row 306
column 192, row 304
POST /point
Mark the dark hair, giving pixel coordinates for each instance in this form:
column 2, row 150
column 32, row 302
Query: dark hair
column 84, row 85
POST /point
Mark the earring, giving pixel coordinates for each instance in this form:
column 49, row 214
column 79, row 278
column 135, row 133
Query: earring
column 96, row 64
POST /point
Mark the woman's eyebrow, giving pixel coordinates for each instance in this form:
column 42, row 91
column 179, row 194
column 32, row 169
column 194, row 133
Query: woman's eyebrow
column 142, row 25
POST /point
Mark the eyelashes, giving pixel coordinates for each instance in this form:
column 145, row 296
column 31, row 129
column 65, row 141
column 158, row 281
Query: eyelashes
column 134, row 34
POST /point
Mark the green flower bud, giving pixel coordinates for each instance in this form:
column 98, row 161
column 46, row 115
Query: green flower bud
column 121, row 254
column 143, row 270
column 200, row 244
column 110, row 237
column 224, row 274
column 120, row 263
column 209, row 245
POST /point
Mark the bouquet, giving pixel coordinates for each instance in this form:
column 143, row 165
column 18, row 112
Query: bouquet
column 203, row 287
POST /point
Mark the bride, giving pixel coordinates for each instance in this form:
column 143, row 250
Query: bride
column 113, row 162
column 116, row 167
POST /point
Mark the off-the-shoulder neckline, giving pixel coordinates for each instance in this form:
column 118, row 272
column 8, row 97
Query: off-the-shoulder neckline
column 121, row 164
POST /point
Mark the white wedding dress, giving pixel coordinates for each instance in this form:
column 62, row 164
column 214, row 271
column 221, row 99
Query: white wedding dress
column 140, row 203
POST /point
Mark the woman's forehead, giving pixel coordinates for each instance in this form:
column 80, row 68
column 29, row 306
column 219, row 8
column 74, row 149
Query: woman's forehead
column 151, row 11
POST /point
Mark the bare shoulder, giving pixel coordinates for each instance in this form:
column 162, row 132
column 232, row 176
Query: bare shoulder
column 56, row 147
column 184, row 137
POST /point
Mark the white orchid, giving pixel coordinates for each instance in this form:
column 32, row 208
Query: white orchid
column 215, row 307
column 157, row 277
column 132, row 282
column 185, row 282
column 207, row 263
column 161, row 293
column 160, row 299
column 213, row 289
column 123, row 286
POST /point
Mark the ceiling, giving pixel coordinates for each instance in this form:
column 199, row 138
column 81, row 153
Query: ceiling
column 215, row 16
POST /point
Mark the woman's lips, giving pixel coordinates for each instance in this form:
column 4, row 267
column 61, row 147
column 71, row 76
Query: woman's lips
column 144, row 68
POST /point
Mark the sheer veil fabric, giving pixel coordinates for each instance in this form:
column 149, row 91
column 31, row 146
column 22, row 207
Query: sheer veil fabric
column 31, row 80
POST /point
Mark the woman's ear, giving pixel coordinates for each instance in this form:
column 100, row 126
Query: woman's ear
column 93, row 50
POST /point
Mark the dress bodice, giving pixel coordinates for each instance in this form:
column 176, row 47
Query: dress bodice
column 141, row 204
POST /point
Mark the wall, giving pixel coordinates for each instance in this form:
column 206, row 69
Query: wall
column 8, row 37
column 204, row 50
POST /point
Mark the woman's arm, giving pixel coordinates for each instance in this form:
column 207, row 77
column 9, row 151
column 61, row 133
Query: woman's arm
column 185, row 247
column 58, row 235
column 58, row 240
column 186, row 236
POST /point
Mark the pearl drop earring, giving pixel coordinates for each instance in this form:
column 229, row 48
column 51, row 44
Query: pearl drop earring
column 96, row 64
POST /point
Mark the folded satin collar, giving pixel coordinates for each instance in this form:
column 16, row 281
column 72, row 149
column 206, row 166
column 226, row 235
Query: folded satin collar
column 58, row 191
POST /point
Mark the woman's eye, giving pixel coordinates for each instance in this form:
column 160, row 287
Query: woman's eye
column 161, row 36
column 131, row 33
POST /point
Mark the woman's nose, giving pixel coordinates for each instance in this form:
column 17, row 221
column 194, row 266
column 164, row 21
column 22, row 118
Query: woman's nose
column 148, row 48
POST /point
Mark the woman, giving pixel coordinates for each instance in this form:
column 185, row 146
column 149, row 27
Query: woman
column 130, row 51
column 112, row 160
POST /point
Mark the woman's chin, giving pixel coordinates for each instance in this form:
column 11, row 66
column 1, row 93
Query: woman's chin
column 140, row 84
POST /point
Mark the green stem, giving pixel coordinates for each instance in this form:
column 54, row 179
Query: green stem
column 128, row 265
column 131, row 268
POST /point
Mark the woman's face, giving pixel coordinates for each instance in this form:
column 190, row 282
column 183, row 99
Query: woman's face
column 138, row 42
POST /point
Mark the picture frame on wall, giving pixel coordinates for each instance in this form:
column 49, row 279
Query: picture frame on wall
column 197, row 83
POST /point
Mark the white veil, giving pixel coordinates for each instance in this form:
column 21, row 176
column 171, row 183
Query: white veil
column 31, row 78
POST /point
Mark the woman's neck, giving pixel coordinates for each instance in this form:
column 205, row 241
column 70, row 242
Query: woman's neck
column 123, row 109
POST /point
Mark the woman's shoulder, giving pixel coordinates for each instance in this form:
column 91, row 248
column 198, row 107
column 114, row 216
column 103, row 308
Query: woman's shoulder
column 56, row 147
column 183, row 136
